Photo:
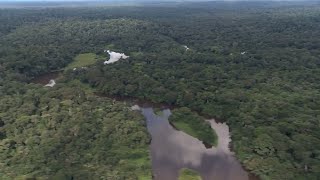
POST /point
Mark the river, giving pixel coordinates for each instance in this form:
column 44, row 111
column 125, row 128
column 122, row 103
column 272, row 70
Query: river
column 172, row 150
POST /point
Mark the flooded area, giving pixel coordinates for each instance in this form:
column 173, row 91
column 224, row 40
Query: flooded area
column 172, row 150
column 114, row 57
column 51, row 83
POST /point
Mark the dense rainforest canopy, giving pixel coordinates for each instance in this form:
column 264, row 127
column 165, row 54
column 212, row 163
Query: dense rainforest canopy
column 255, row 66
column 68, row 133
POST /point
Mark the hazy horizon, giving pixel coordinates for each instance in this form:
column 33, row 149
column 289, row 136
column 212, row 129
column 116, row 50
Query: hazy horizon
column 91, row 3
column 141, row 0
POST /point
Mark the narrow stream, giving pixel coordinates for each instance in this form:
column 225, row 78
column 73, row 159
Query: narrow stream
column 172, row 150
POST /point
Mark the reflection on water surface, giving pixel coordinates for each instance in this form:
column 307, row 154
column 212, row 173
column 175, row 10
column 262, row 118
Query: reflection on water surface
column 172, row 150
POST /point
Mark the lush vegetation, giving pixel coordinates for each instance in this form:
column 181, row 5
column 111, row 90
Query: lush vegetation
column 254, row 65
column 68, row 133
column 191, row 123
column 188, row 174
column 83, row 60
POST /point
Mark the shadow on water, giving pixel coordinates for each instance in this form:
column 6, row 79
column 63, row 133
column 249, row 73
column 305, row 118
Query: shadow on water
column 172, row 150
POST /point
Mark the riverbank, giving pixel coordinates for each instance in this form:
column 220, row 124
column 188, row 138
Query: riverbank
column 146, row 103
column 191, row 123
column 173, row 150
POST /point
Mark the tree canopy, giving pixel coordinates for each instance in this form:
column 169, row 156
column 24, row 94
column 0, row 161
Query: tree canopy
column 255, row 66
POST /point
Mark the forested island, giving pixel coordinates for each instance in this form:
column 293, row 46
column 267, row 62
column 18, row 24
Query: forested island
column 253, row 65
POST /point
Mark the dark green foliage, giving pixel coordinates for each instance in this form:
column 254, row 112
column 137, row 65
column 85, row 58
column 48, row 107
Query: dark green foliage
column 268, row 95
column 66, row 132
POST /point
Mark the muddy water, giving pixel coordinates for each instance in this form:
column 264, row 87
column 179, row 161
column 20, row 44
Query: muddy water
column 172, row 150
column 45, row 78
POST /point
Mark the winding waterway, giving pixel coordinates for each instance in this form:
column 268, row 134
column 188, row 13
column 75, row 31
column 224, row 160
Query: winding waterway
column 172, row 150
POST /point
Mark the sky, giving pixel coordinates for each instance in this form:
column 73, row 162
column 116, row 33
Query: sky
column 131, row 0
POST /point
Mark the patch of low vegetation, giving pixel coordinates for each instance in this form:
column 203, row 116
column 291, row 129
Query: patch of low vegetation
column 188, row 174
column 83, row 60
column 191, row 123
column 158, row 111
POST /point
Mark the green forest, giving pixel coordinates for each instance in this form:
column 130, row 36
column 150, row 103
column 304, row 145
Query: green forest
column 69, row 133
column 255, row 66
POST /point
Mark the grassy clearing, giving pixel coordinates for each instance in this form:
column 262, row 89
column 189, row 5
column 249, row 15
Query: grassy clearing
column 188, row 174
column 185, row 127
column 194, row 125
column 83, row 60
